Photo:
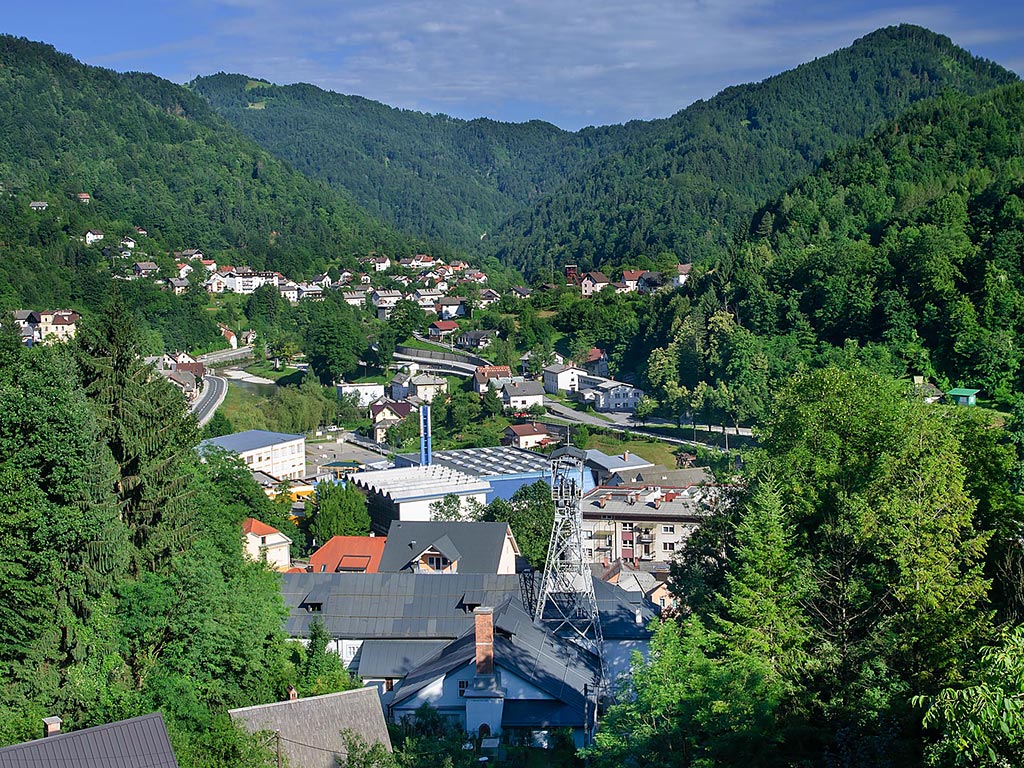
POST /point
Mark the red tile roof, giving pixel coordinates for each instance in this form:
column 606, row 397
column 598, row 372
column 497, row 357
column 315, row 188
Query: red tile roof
column 255, row 527
column 445, row 325
column 349, row 553
column 529, row 430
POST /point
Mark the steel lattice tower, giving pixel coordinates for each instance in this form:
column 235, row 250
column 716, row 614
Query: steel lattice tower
column 567, row 604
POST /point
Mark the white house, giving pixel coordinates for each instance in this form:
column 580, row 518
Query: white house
column 520, row 395
column 366, row 393
column 93, row 236
column 562, row 378
column 593, row 282
column 280, row 455
column 265, row 543
column 608, row 394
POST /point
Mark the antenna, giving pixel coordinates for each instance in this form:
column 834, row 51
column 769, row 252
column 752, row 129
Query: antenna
column 567, row 604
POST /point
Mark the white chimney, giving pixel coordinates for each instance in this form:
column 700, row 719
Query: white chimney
column 51, row 726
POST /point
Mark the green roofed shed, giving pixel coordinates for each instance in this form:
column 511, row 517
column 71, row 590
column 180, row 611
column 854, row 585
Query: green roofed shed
column 962, row 396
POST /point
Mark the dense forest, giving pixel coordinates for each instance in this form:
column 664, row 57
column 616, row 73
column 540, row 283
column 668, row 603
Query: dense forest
column 448, row 179
column 123, row 587
column 686, row 183
column 866, row 579
column 902, row 253
column 150, row 154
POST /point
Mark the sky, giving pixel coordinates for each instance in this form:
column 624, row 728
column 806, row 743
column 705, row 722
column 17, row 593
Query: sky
column 570, row 62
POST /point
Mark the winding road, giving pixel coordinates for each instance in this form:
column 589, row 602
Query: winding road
column 214, row 390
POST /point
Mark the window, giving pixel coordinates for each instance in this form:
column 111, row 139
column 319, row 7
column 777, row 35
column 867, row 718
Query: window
column 437, row 563
column 588, row 554
column 627, row 526
column 669, row 546
column 463, row 685
column 661, row 602
column 389, row 684
column 668, row 529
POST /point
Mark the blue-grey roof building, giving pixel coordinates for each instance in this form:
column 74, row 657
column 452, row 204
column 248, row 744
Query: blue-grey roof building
column 140, row 742
column 412, row 635
column 278, row 454
column 449, row 547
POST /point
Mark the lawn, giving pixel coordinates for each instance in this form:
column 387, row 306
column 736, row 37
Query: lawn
column 265, row 369
column 654, row 451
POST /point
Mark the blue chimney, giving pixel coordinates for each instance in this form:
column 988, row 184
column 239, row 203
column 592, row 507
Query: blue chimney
column 425, row 438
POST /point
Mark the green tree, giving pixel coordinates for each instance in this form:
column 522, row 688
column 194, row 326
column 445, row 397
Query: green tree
column 531, row 515
column 340, row 511
column 321, row 669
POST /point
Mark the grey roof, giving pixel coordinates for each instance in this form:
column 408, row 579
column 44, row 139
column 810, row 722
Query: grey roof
column 556, row 665
column 249, row 440
column 137, row 743
column 524, row 389
column 394, row 658
column 659, row 475
column 608, row 463
column 428, row 606
column 487, row 462
column 311, row 728
column 476, row 546
column 408, row 483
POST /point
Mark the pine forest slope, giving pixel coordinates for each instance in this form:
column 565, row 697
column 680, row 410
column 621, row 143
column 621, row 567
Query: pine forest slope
column 150, row 153
column 445, row 178
column 684, row 184
column 903, row 252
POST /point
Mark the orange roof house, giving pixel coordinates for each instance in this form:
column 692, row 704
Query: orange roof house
column 349, row 554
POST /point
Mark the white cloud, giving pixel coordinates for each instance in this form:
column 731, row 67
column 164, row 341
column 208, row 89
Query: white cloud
column 580, row 62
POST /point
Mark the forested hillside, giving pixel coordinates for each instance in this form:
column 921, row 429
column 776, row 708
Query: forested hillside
column 150, row 154
column 453, row 180
column 124, row 588
column 902, row 252
column 685, row 184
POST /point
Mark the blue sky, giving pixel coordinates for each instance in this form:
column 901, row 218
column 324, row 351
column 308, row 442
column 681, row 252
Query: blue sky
column 572, row 62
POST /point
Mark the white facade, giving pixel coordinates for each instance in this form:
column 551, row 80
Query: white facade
column 264, row 542
column 560, row 378
column 367, row 393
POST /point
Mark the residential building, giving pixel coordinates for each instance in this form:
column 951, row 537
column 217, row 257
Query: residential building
column 426, row 386
column 653, row 585
column 380, row 263
column 490, row 377
column 229, row 335
column 522, row 395
column 265, row 543
column 452, row 307
column 592, row 282
column 145, row 268
column 481, row 339
column 278, row 454
column 642, row 524
column 608, row 394
column 385, row 301
column 521, row 292
column 127, row 242
column 354, row 298
column 487, row 297
column 650, row 282
column 631, row 278
column 178, row 284
column 527, row 436
column 348, row 554
column 39, row 205
column 440, row 329
column 596, row 363
column 407, row 493
column 93, row 236
column 140, row 742
column 413, row 636
column 289, row 291
column 310, row 732
column 365, row 393
column 427, row 299
column 562, row 378
column 445, row 547
column 84, row 198
column 682, row 274
column 58, row 325
column 601, row 467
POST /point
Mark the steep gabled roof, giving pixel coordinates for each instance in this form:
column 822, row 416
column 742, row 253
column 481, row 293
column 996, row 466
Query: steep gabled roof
column 256, row 528
column 476, row 546
column 140, row 742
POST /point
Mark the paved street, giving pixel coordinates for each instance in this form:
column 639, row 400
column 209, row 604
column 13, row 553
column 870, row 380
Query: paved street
column 214, row 390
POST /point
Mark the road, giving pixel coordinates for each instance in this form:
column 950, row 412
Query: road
column 225, row 355
column 215, row 388
column 621, row 422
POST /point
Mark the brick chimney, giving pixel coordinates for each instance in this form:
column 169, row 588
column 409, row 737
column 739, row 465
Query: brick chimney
column 292, row 693
column 51, row 726
column 484, row 621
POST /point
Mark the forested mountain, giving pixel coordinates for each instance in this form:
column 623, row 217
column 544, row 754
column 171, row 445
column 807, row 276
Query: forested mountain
column 449, row 179
column 684, row 184
column 150, row 154
column 903, row 252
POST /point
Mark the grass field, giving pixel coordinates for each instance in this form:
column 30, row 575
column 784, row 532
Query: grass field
column 245, row 409
column 655, row 452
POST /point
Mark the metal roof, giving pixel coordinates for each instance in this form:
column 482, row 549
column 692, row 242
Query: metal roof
column 429, row 481
column 615, row 463
column 488, row 462
column 394, row 658
column 250, row 440
column 311, row 728
column 140, row 742
column 429, row 606
column 478, row 546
